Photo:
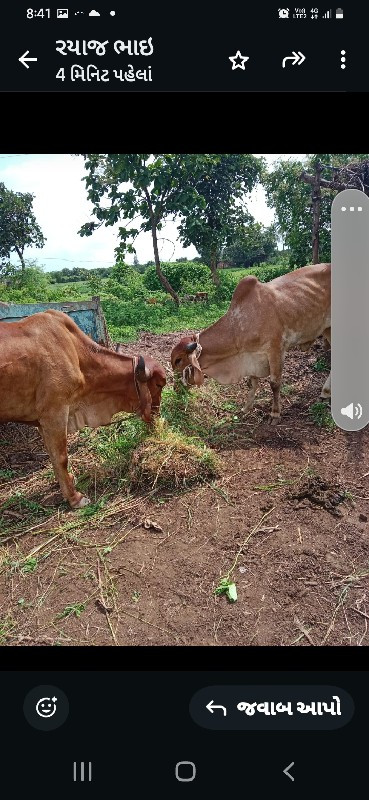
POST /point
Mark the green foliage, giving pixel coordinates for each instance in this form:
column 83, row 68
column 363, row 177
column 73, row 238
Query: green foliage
column 320, row 365
column 291, row 199
column 126, row 319
column 184, row 276
column 94, row 285
column 30, row 284
column 160, row 185
column 76, row 609
column 230, row 278
column 18, row 226
column 117, row 442
column 321, row 415
column 78, row 274
column 6, row 474
column 123, row 296
column 126, row 283
column 228, row 587
column 252, row 244
column 29, row 565
column 221, row 187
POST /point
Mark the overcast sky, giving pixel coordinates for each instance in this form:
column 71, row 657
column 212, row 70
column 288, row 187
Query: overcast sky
column 61, row 207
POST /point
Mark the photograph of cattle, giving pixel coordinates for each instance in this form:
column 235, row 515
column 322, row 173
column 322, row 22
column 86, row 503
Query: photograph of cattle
column 170, row 472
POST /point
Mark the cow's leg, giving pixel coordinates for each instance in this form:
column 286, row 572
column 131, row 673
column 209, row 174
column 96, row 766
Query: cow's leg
column 54, row 434
column 253, row 383
column 326, row 390
column 276, row 359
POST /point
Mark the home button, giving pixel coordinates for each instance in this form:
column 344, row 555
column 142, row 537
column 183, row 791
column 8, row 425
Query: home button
column 185, row 771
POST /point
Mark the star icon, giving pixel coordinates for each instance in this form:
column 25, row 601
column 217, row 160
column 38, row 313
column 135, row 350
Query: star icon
column 241, row 62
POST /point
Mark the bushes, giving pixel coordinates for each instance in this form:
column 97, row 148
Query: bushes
column 126, row 319
column 125, row 283
column 230, row 278
column 24, row 286
column 123, row 296
column 183, row 276
column 266, row 272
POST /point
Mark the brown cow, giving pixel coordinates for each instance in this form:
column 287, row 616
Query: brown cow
column 54, row 376
column 263, row 321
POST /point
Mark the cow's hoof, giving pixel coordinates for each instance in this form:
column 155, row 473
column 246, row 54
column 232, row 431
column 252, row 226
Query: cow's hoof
column 81, row 503
column 325, row 395
column 273, row 420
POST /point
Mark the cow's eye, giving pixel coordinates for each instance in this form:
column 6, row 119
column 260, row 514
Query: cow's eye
column 177, row 361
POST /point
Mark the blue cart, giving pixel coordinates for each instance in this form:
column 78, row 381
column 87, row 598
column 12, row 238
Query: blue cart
column 87, row 314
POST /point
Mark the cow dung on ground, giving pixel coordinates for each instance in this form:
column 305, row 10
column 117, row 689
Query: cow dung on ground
column 166, row 459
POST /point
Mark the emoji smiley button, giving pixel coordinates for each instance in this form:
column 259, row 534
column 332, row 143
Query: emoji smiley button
column 46, row 708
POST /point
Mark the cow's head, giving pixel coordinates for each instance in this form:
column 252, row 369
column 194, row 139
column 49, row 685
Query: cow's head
column 184, row 358
column 149, row 379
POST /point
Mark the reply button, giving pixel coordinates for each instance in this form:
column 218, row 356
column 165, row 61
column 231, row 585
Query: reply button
column 272, row 708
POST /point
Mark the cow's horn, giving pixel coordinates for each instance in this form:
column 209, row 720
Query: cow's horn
column 142, row 372
column 191, row 347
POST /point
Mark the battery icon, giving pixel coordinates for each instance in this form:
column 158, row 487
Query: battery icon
column 339, row 13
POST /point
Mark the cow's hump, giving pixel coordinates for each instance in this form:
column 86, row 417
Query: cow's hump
column 244, row 288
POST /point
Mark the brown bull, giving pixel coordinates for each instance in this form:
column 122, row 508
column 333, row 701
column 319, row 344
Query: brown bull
column 263, row 321
column 54, row 376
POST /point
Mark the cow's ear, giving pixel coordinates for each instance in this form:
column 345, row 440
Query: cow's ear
column 197, row 371
column 142, row 372
column 145, row 401
column 142, row 375
column 191, row 347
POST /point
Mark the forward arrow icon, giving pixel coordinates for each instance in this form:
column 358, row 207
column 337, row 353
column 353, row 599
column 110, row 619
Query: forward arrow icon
column 296, row 58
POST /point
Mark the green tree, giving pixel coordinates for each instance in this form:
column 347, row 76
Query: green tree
column 18, row 226
column 143, row 186
column 253, row 244
column 32, row 279
column 291, row 197
column 94, row 285
column 221, row 211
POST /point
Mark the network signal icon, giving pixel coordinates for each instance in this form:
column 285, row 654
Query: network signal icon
column 328, row 14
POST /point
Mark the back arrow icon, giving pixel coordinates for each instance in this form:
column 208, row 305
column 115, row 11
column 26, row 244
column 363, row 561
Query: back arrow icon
column 286, row 772
column 296, row 58
column 210, row 706
column 23, row 59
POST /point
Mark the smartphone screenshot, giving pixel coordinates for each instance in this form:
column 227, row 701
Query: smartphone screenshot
column 184, row 401
column 184, row 470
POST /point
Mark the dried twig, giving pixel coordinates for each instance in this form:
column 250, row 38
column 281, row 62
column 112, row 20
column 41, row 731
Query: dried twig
column 303, row 630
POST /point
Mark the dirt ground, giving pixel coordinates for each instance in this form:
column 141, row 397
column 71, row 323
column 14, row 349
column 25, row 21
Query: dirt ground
column 287, row 520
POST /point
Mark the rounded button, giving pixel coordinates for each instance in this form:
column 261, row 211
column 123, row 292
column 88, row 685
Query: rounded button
column 185, row 771
column 46, row 708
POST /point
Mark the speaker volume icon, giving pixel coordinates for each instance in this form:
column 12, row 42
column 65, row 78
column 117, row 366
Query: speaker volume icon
column 349, row 411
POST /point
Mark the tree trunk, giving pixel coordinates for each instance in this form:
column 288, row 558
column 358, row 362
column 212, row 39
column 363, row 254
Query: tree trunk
column 316, row 200
column 21, row 259
column 213, row 267
column 163, row 280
